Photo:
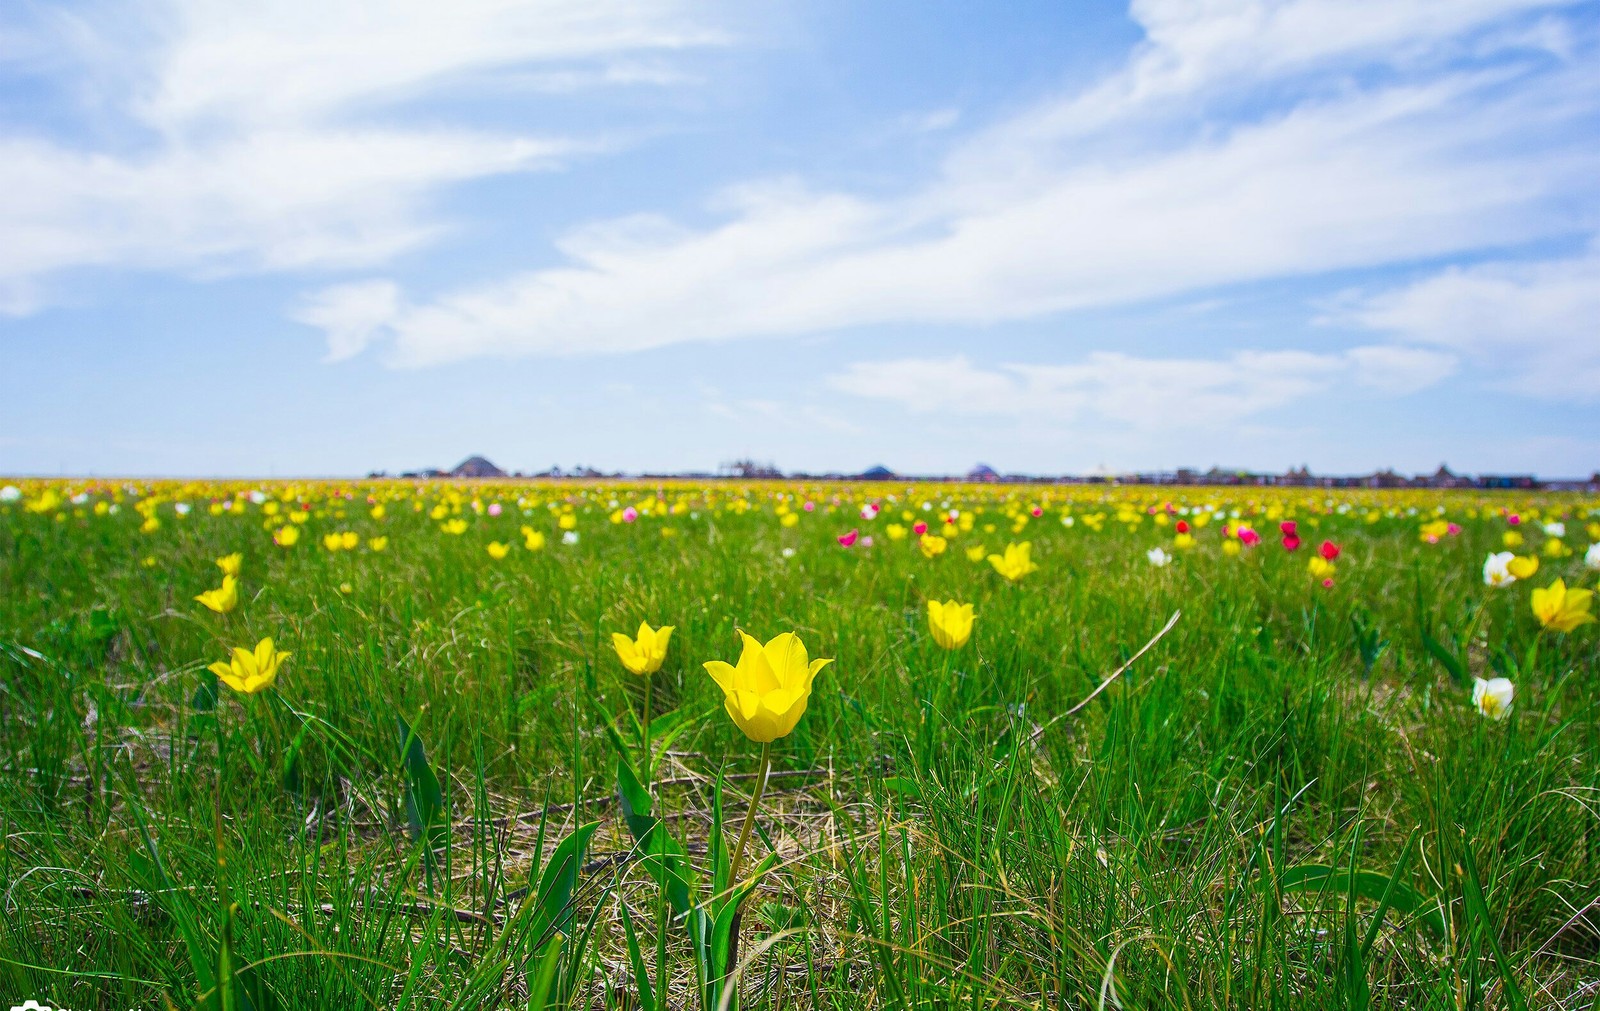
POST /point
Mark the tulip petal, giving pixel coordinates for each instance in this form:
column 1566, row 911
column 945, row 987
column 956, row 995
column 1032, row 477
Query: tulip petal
column 724, row 674
column 787, row 656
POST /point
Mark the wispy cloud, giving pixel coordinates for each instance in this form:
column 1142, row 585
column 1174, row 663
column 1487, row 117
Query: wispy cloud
column 1138, row 393
column 222, row 137
column 1533, row 325
column 1378, row 147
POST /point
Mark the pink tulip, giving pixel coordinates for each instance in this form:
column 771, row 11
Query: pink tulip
column 630, row 514
column 919, row 528
column 1249, row 538
column 1287, row 527
column 1291, row 542
column 494, row 509
column 849, row 539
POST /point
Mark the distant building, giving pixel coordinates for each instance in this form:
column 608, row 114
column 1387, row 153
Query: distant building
column 476, row 466
column 1386, row 478
column 1523, row 482
column 749, row 470
column 983, row 474
column 1298, row 478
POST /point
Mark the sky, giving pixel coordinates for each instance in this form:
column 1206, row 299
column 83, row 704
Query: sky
column 319, row 237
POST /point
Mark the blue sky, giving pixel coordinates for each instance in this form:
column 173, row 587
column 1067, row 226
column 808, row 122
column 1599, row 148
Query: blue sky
column 303, row 237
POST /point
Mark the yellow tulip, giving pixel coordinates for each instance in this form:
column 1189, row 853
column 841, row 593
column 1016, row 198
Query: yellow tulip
column 533, row 540
column 976, row 552
column 766, row 693
column 455, row 527
column 229, row 564
column 285, row 537
column 349, row 540
column 498, row 551
column 377, row 543
column 224, row 598
column 1556, row 548
column 1523, row 566
column 932, row 544
column 1511, row 539
column 1321, row 568
column 1015, row 563
column 568, row 521
column 249, row 672
column 1560, row 608
column 645, row 654
column 950, row 622
column 333, row 542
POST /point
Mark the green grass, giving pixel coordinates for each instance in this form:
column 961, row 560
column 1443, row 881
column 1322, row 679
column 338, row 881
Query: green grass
column 1246, row 818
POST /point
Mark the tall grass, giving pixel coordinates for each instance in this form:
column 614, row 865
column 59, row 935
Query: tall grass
column 1270, row 808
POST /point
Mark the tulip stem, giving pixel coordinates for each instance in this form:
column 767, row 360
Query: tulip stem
column 750, row 815
column 649, row 759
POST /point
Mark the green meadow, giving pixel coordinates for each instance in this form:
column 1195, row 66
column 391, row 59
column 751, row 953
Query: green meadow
column 1226, row 781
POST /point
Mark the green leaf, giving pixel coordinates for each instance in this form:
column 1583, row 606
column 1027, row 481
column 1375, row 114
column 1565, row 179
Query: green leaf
column 560, row 879
column 636, row 801
column 1452, row 663
column 1478, row 909
column 660, row 854
column 424, row 801
column 783, row 917
column 668, row 727
column 205, row 694
column 641, row 973
column 1368, row 885
column 544, row 975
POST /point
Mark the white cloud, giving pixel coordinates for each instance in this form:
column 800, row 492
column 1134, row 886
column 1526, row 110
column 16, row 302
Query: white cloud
column 1196, row 46
column 1426, row 164
column 273, row 135
column 267, row 200
column 325, row 57
column 1137, row 393
column 1535, row 325
column 348, row 312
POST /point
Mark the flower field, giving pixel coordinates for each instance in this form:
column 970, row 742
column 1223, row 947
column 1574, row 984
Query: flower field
column 797, row 745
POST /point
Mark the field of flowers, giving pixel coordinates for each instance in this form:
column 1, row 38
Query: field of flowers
column 786, row 745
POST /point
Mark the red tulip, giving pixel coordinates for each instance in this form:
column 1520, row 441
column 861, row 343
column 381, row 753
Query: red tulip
column 1287, row 527
column 1329, row 550
column 1182, row 527
column 1291, row 542
column 849, row 539
column 919, row 528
